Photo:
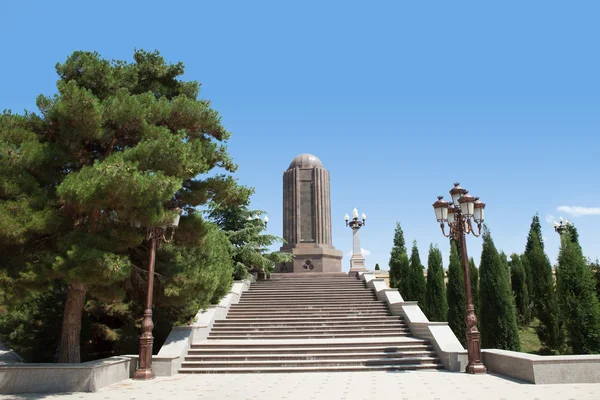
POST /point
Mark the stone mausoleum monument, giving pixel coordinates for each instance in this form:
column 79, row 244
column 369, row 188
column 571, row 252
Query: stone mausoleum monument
column 307, row 218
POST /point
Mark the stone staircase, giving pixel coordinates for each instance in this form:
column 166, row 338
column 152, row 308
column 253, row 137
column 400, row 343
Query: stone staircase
column 328, row 322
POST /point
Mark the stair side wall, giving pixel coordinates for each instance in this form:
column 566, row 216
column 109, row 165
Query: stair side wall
column 447, row 346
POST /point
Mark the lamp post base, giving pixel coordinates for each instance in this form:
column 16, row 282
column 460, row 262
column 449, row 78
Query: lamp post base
column 476, row 368
column 144, row 374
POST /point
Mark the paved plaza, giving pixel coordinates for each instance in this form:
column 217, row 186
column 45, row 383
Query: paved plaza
column 339, row 385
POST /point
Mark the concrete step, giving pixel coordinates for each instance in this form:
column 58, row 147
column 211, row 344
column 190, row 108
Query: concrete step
column 262, row 324
column 311, row 363
column 308, row 289
column 308, row 286
column 312, row 314
column 291, row 304
column 308, row 307
column 317, row 319
column 245, row 315
column 349, row 368
column 307, row 311
column 307, row 356
column 359, row 348
column 293, row 331
column 330, row 283
column 388, row 341
column 309, row 299
column 297, row 295
column 306, row 336
column 307, row 328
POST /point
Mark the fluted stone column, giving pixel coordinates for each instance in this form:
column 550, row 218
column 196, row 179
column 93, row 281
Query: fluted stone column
column 307, row 217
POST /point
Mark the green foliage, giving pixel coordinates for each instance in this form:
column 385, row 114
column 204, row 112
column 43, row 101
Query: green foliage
column 404, row 272
column 249, row 247
column 573, row 234
column 474, row 280
column 377, row 267
column 415, row 282
column 577, row 300
column 118, row 142
column 534, row 236
column 436, row 303
column 31, row 323
column 545, row 304
column 457, row 307
column 595, row 268
column 519, row 289
column 199, row 275
column 398, row 268
column 498, row 323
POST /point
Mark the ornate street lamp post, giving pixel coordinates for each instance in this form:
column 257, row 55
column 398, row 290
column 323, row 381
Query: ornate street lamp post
column 357, row 262
column 561, row 227
column 257, row 217
column 458, row 215
column 153, row 235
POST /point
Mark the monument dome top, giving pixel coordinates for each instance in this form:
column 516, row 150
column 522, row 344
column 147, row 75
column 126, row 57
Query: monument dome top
column 306, row 161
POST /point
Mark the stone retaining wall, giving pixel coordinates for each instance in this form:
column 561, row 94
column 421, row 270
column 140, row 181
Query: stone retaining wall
column 543, row 369
column 93, row 375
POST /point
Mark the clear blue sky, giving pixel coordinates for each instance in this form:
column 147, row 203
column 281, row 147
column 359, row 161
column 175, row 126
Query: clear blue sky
column 398, row 100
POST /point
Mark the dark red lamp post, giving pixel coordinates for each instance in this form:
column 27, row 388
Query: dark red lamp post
column 154, row 235
column 459, row 215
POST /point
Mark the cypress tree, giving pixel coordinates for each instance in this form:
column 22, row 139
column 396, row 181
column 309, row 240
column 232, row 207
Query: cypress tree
column 595, row 268
column 377, row 267
column 436, row 304
column 404, row 271
column 577, row 299
column 415, row 288
column 397, row 270
column 499, row 328
column 457, row 307
column 534, row 229
column 573, row 234
column 519, row 289
column 474, row 279
column 528, row 287
column 545, row 305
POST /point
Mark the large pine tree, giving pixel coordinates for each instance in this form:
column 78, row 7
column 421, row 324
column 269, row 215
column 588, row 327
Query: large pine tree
column 415, row 286
column 519, row 289
column 577, row 298
column 545, row 304
column 457, row 306
column 499, row 328
column 436, row 303
column 119, row 142
column 398, row 268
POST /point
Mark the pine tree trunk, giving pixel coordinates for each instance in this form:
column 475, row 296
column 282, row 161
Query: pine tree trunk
column 71, row 326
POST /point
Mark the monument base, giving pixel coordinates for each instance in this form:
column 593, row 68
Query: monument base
column 309, row 257
column 357, row 264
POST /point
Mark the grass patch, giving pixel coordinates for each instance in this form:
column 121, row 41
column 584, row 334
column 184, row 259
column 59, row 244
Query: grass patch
column 530, row 343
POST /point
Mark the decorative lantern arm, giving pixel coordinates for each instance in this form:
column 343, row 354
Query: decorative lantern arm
column 470, row 229
column 443, row 227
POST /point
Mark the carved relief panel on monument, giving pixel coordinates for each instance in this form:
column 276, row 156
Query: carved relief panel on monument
column 307, row 216
column 308, row 266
